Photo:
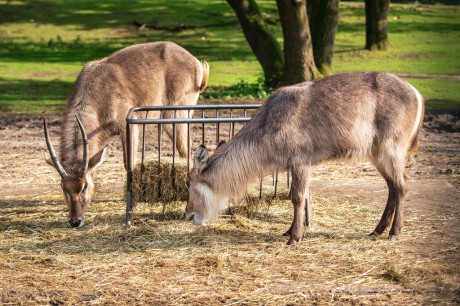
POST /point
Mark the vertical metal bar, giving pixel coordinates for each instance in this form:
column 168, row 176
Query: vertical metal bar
column 202, row 126
column 217, row 128
column 160, row 132
column 288, row 179
column 174, row 138
column 276, row 182
column 307, row 211
column 143, row 139
column 231, row 125
column 173, row 169
column 188, row 142
column 260, row 187
column 174, row 150
column 129, row 178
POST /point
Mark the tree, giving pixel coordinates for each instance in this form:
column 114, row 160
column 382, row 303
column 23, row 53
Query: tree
column 324, row 19
column 376, row 25
column 262, row 42
column 298, row 64
column 298, row 52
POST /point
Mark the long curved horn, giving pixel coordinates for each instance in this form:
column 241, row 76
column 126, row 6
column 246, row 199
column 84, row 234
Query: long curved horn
column 56, row 162
column 84, row 166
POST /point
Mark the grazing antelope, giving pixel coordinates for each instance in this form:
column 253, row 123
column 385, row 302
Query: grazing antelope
column 356, row 116
column 159, row 73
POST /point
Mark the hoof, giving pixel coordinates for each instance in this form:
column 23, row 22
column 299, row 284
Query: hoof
column 393, row 238
column 293, row 242
column 374, row 235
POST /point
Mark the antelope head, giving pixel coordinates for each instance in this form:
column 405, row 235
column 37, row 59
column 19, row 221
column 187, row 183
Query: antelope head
column 78, row 186
column 204, row 203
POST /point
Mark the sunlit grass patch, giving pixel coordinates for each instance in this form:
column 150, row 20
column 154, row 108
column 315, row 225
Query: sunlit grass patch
column 51, row 40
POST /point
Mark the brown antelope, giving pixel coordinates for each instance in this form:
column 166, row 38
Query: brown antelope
column 159, row 73
column 356, row 116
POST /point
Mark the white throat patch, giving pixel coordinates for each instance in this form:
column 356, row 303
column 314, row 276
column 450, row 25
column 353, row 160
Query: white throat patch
column 214, row 204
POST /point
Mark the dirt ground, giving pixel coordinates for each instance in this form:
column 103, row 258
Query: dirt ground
column 434, row 193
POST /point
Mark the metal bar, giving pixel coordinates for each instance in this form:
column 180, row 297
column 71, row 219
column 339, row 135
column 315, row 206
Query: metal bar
column 143, row 139
column 160, row 132
column 188, row 143
column 307, row 211
column 231, row 125
column 192, row 107
column 202, row 127
column 288, row 180
column 191, row 120
column 174, row 139
column 143, row 144
column 129, row 178
column 276, row 183
column 260, row 187
column 217, row 127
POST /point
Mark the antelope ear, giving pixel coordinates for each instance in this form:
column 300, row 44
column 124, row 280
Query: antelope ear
column 48, row 159
column 201, row 157
column 96, row 160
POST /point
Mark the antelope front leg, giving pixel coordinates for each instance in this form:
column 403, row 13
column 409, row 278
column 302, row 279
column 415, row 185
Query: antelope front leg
column 308, row 203
column 299, row 193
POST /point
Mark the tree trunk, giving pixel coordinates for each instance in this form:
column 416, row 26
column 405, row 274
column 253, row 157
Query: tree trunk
column 376, row 25
column 262, row 42
column 298, row 53
column 324, row 19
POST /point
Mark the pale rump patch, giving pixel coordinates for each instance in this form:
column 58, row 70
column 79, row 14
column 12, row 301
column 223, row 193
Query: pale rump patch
column 419, row 110
column 200, row 74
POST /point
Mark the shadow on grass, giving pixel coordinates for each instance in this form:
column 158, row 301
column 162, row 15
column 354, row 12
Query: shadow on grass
column 404, row 27
column 39, row 89
column 64, row 52
column 215, row 17
column 437, row 106
column 81, row 52
column 89, row 15
column 27, row 92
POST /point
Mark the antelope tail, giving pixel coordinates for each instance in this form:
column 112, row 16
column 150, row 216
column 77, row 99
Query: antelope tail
column 205, row 78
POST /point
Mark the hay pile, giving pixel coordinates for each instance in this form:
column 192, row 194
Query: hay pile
column 155, row 182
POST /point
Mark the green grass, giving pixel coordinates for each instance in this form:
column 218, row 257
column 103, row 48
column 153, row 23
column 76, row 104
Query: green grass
column 44, row 44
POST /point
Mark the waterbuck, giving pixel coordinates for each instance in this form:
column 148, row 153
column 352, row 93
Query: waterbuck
column 355, row 116
column 159, row 73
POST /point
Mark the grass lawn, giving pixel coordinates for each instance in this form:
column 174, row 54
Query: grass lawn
column 44, row 44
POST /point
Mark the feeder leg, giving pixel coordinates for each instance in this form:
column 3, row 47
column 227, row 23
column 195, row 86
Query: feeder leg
column 129, row 208
column 307, row 211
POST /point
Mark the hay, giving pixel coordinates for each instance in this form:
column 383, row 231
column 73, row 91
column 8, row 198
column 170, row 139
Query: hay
column 155, row 182
column 162, row 182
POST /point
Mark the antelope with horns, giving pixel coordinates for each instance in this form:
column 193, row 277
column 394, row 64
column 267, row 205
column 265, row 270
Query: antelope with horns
column 355, row 116
column 159, row 73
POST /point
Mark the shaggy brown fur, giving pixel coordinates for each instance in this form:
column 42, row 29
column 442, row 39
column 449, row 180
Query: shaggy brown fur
column 355, row 116
column 159, row 73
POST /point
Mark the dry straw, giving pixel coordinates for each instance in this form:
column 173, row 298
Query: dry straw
column 155, row 182
column 162, row 182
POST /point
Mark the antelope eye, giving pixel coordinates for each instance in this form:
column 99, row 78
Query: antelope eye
column 84, row 187
column 187, row 184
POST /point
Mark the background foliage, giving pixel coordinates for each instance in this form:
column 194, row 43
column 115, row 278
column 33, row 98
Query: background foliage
column 44, row 44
